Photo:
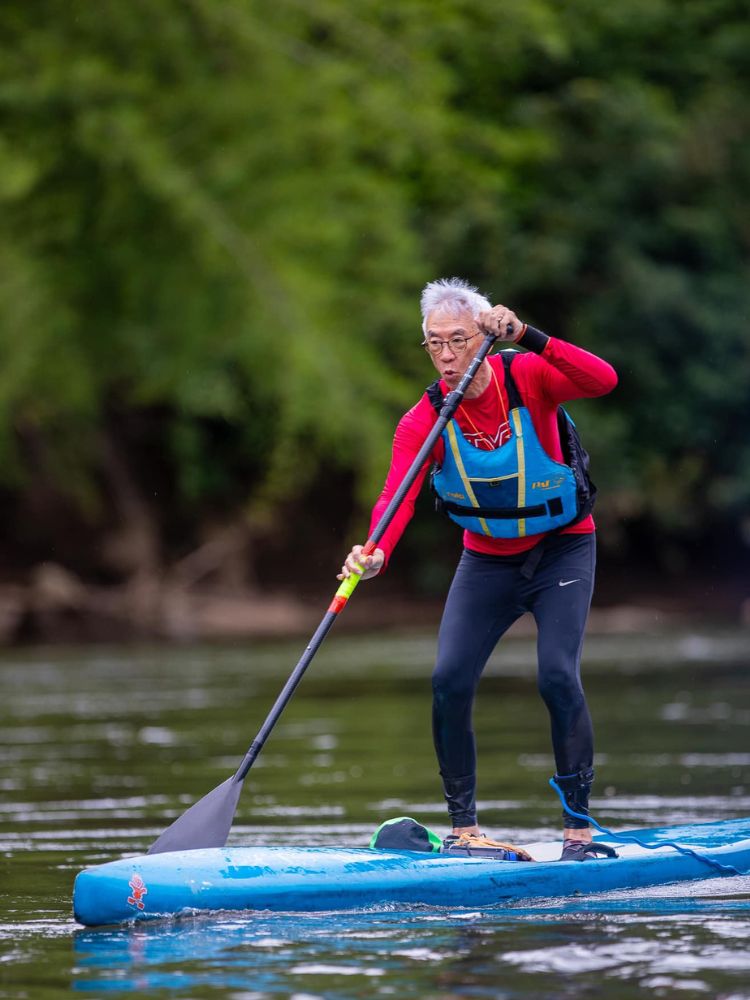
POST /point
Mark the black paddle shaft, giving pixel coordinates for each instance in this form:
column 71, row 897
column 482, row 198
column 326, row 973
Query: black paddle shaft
column 208, row 821
column 449, row 407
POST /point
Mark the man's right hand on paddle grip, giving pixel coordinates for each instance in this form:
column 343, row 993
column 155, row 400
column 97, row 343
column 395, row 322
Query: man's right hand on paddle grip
column 356, row 562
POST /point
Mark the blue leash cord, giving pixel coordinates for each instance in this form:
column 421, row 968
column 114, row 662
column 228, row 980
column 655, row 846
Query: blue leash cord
column 629, row 838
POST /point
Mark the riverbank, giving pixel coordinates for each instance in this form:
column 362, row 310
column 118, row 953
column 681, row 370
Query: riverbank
column 56, row 606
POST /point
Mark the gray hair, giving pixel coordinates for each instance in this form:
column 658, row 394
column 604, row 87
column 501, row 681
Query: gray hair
column 452, row 296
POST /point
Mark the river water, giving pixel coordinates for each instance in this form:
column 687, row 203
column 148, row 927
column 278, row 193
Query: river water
column 102, row 747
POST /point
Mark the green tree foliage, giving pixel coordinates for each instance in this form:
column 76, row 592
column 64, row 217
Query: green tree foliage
column 623, row 228
column 217, row 216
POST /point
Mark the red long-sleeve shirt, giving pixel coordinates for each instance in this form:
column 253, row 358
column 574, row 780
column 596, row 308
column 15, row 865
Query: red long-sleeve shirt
column 559, row 373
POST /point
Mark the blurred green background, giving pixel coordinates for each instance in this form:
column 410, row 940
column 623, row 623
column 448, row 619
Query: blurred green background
column 216, row 217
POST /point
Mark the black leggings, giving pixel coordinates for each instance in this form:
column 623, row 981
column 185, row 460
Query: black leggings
column 487, row 595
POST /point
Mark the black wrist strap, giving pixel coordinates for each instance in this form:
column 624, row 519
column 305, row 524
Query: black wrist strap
column 533, row 340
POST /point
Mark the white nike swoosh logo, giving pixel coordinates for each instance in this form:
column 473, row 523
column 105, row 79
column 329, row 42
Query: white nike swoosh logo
column 567, row 583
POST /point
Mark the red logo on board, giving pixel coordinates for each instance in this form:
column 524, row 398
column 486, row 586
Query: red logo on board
column 139, row 891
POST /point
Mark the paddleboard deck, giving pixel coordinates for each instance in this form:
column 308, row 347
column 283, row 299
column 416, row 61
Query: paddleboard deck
column 311, row 879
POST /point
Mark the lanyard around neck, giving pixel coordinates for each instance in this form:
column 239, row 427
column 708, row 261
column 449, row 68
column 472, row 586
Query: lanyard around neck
column 481, row 434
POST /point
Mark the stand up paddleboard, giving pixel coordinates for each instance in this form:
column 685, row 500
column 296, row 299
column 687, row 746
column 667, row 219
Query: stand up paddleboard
column 309, row 879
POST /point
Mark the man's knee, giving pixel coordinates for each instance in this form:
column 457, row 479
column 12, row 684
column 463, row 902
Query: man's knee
column 559, row 684
column 452, row 684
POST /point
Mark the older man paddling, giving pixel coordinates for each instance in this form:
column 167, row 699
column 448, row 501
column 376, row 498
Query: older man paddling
column 509, row 469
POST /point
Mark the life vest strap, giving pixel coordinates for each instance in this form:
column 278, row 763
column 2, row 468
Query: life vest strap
column 553, row 508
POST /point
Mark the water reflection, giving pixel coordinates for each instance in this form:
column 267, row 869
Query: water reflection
column 422, row 952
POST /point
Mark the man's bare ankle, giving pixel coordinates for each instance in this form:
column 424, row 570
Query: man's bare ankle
column 458, row 830
column 571, row 833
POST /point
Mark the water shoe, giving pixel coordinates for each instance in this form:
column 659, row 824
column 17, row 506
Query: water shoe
column 579, row 850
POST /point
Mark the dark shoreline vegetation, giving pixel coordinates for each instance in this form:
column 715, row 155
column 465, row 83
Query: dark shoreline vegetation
column 216, row 220
column 57, row 607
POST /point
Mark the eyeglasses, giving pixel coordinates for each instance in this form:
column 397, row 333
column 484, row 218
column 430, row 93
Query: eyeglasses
column 457, row 344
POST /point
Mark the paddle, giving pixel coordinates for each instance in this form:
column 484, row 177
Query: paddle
column 207, row 823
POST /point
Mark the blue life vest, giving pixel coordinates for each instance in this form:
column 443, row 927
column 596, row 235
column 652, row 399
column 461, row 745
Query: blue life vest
column 516, row 489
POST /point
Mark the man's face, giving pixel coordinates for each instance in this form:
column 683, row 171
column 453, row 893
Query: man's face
column 450, row 362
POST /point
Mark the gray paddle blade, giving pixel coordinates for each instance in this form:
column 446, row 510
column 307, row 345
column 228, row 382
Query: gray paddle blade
column 205, row 824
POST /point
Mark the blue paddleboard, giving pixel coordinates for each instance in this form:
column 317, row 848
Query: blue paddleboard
column 296, row 879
